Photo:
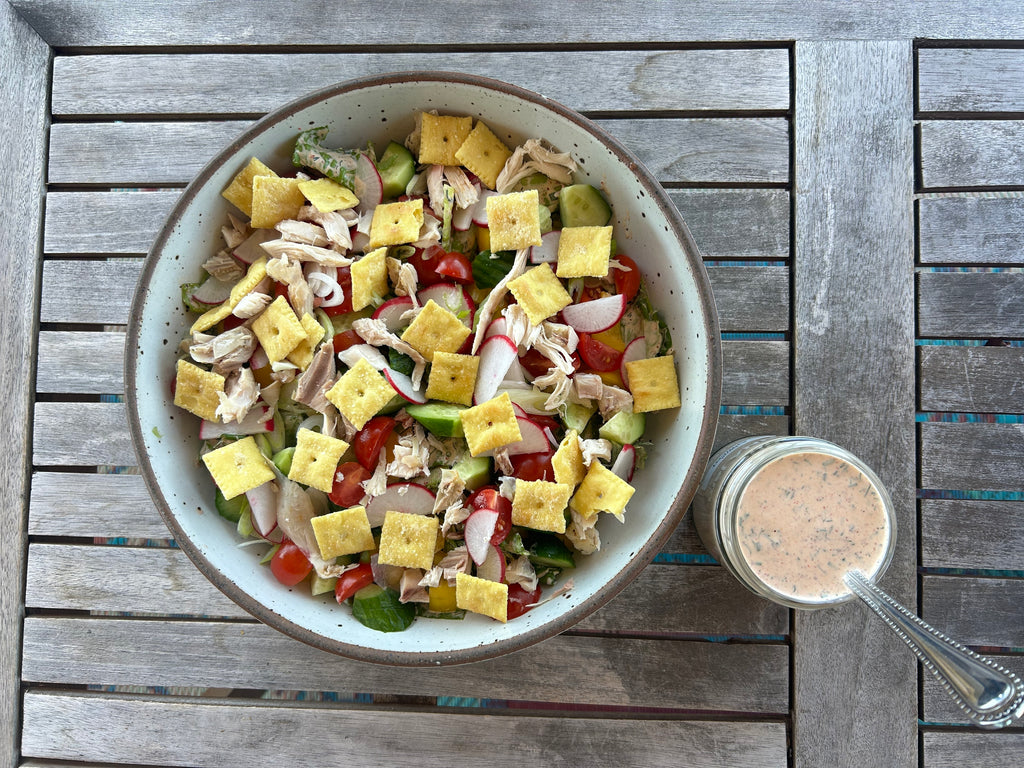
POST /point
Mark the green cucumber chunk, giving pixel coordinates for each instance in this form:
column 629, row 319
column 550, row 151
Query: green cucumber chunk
column 230, row 509
column 396, row 167
column 380, row 609
column 576, row 416
column 547, row 551
column 321, row 586
column 475, row 471
column 245, row 529
column 443, row 419
column 581, row 205
column 283, row 459
column 489, row 268
column 400, row 362
column 624, row 428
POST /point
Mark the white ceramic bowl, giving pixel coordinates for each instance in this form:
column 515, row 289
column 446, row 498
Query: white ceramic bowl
column 647, row 227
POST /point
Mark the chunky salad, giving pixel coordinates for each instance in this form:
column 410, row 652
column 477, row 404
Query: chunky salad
column 422, row 373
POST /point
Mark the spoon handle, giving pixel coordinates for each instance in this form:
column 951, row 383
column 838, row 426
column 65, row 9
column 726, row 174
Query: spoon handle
column 988, row 693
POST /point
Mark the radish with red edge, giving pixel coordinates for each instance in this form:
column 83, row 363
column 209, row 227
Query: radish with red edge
column 496, row 355
column 635, row 350
column 533, row 439
column 402, row 384
column 259, row 359
column 595, row 316
column 478, row 532
column 514, row 374
column 391, row 312
column 263, row 508
column 625, row 463
column 211, row 292
column 249, row 251
column 452, row 297
column 411, row 498
column 493, row 566
column 257, row 421
column 462, row 218
column 547, row 251
column 369, row 188
column 480, row 209
column 497, row 327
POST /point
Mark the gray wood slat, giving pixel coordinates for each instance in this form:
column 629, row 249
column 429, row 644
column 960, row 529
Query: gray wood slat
column 971, row 153
column 90, row 222
column 80, row 362
column 755, row 372
column 970, row 749
column 958, row 533
column 851, row 379
column 979, row 612
column 619, row 671
column 747, row 150
column 81, row 434
column 24, row 65
column 970, row 79
column 939, row 707
column 971, row 230
column 93, row 727
column 972, row 456
column 971, row 379
column 751, row 298
column 104, row 505
column 970, row 304
column 154, row 580
column 754, row 79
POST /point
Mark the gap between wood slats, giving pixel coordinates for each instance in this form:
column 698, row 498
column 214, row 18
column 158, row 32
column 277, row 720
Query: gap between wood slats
column 971, row 153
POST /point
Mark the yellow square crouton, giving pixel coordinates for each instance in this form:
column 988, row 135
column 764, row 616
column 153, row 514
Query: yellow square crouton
column 482, row 596
column 302, row 355
column 196, row 390
column 539, row 293
column 253, row 277
column 360, row 393
column 396, row 223
column 601, row 491
column 441, row 136
column 369, row 278
column 238, row 467
column 316, row 459
column 484, row 154
column 654, row 383
column 344, row 532
column 327, row 195
column 275, row 199
column 408, row 540
column 513, row 220
column 540, row 505
column 435, row 329
column 584, row 251
column 453, row 377
column 491, row 424
column 568, row 460
column 278, row 329
column 239, row 191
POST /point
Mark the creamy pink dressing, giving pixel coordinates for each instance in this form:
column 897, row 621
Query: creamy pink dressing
column 806, row 519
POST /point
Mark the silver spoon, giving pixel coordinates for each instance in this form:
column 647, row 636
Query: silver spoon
column 988, row 693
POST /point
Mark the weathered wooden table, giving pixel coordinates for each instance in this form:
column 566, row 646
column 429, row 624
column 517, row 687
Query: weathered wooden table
column 854, row 174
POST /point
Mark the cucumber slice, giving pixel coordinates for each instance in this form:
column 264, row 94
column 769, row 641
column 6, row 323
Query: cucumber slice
column 581, row 205
column 489, row 269
column 475, row 471
column 380, row 609
column 320, row 586
column 230, row 509
column 245, row 529
column 283, row 459
column 396, row 167
column 624, row 428
column 548, row 551
column 443, row 419
column 576, row 416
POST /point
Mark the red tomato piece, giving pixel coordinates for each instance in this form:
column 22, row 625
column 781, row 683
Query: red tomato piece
column 425, row 263
column 489, row 498
column 455, row 266
column 346, row 339
column 627, row 283
column 280, row 289
column 289, row 565
column 345, row 281
column 536, row 364
column 347, row 491
column 597, row 355
column 369, row 440
column 520, row 601
column 352, row 581
column 533, row 466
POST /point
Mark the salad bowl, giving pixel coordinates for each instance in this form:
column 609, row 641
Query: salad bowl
column 375, row 110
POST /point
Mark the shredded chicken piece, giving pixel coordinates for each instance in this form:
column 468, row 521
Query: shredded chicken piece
column 235, row 234
column 305, row 232
column 502, row 460
column 533, row 157
column 519, row 328
column 375, row 332
column 456, row 561
column 430, row 233
column 303, row 252
column 507, row 487
column 283, row 371
column 560, row 384
column 613, row 400
column 251, row 305
column 521, row 571
column 312, row 385
column 224, row 267
column 377, row 483
column 587, row 386
column 497, row 294
column 225, row 351
column 412, row 141
column 582, row 532
column 240, row 394
column 435, row 188
column 453, row 515
column 598, row 448
column 403, row 277
column 409, row 588
column 557, row 342
column 412, row 457
column 335, row 223
column 300, row 295
column 295, row 510
column 466, row 194
column 652, row 337
column 449, row 490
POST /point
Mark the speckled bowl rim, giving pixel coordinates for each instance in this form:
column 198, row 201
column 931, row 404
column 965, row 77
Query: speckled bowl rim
column 704, row 443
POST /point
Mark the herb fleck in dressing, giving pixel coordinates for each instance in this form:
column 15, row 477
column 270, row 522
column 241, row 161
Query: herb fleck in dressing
column 806, row 519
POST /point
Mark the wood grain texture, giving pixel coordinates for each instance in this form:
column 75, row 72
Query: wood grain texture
column 81, row 362
column 978, row 612
column 976, row 229
column 970, row 749
column 755, row 372
column 970, row 79
column 958, row 533
column 619, row 672
column 971, row 379
column 100, row 505
column 852, row 379
column 751, row 298
column 937, row 705
column 971, row 153
column 970, row 304
column 90, row 727
column 24, row 73
column 972, row 456
column 81, row 435
column 617, row 80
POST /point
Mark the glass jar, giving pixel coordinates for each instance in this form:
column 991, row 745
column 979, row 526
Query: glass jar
column 790, row 516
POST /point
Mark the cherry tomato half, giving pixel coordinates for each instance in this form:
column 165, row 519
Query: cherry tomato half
column 425, row 263
column 536, row 364
column 346, row 339
column 455, row 266
column 347, row 491
column 369, row 440
column 520, row 601
column 345, row 281
column 289, row 565
column 489, row 498
column 597, row 355
column 627, row 283
column 352, row 581
column 533, row 466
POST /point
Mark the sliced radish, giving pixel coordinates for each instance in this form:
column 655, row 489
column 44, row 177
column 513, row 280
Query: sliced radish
column 519, row 410
column 514, row 374
column 478, row 532
column 452, row 297
column 212, row 292
column 547, row 251
column 551, row 437
column 411, row 498
column 259, row 359
column 462, row 219
column 497, row 327
column 249, row 251
column 263, row 508
column 625, row 463
column 597, row 315
column 530, row 401
column 635, row 350
column 533, row 439
column 480, row 209
column 496, row 355
column 369, row 188
column 391, row 312
column 403, row 385
column 256, row 421
column 352, row 355
column 493, row 566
